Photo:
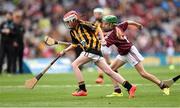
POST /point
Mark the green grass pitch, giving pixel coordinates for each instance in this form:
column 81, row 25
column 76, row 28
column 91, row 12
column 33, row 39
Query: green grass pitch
column 55, row 91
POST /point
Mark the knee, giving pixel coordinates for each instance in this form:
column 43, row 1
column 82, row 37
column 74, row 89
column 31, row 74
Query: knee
column 74, row 65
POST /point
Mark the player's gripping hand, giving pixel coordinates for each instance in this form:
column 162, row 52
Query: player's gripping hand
column 103, row 42
column 61, row 53
column 83, row 43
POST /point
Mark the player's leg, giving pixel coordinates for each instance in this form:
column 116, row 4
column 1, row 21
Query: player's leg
column 135, row 58
column 139, row 67
column 117, row 77
column 100, row 78
column 117, row 90
column 106, row 51
column 78, row 62
column 170, row 52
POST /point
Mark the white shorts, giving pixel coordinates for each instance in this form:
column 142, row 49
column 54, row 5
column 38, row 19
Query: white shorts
column 133, row 57
column 106, row 50
column 170, row 51
column 92, row 56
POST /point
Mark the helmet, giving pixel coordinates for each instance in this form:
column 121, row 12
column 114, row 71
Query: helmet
column 98, row 10
column 71, row 19
column 110, row 19
column 71, row 15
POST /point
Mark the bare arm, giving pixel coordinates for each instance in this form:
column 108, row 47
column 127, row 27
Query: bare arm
column 138, row 25
column 69, row 48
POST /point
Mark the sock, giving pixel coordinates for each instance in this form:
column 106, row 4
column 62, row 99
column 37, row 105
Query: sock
column 162, row 85
column 117, row 89
column 176, row 78
column 127, row 85
column 101, row 76
column 116, row 71
column 82, row 86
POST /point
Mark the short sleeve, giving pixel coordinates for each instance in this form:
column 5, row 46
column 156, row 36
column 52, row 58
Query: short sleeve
column 123, row 26
column 74, row 40
column 109, row 40
column 89, row 26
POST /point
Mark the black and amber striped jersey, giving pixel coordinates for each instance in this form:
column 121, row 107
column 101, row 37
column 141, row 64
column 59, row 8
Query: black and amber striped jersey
column 98, row 24
column 85, row 34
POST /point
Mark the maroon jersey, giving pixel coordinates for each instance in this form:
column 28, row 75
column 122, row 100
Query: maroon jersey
column 123, row 46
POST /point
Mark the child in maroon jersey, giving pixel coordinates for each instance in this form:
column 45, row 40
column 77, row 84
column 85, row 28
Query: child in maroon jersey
column 127, row 51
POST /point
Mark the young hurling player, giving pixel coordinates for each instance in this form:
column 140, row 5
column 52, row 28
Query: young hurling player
column 106, row 51
column 127, row 51
column 85, row 35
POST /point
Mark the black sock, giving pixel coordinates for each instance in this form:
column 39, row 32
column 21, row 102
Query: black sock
column 117, row 89
column 116, row 71
column 176, row 78
column 127, row 85
column 101, row 76
column 82, row 86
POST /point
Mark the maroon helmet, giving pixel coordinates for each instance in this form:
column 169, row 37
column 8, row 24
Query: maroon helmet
column 71, row 19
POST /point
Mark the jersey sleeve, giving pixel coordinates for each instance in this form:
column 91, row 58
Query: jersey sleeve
column 109, row 41
column 98, row 27
column 90, row 26
column 123, row 26
column 75, row 42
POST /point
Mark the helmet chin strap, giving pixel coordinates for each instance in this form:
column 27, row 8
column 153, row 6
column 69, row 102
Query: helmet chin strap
column 107, row 29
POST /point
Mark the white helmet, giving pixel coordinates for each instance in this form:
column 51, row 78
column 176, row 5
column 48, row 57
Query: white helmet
column 98, row 10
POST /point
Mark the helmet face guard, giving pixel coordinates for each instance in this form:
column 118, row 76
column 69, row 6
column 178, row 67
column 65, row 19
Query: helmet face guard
column 71, row 19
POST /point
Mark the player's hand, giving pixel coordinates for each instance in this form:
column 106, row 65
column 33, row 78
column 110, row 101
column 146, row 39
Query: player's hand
column 103, row 42
column 83, row 43
column 61, row 53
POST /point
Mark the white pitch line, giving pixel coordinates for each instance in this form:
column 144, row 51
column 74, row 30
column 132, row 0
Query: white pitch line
column 69, row 86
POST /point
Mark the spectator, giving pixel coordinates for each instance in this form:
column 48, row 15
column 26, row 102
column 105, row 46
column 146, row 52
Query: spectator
column 7, row 39
column 49, row 13
column 19, row 41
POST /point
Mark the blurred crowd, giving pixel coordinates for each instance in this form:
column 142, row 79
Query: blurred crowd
column 44, row 17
